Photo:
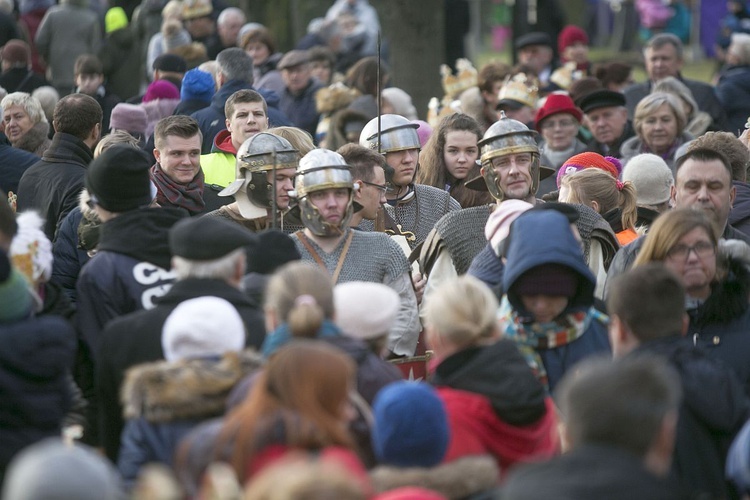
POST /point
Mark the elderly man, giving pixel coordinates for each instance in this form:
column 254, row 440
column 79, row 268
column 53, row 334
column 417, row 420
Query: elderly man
column 298, row 98
column 53, row 184
column 201, row 270
column 536, row 51
column 606, row 117
column 325, row 190
column 228, row 25
column 663, row 55
column 25, row 124
column 265, row 162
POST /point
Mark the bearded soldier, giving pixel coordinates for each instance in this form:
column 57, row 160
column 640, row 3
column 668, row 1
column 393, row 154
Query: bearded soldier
column 412, row 209
column 324, row 190
column 265, row 162
column 510, row 171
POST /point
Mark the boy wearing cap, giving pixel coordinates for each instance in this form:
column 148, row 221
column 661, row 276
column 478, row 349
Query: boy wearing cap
column 298, row 98
column 606, row 118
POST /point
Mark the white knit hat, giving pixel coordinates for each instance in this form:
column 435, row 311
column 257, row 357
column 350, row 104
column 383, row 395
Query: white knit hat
column 498, row 225
column 206, row 326
column 651, row 177
column 365, row 310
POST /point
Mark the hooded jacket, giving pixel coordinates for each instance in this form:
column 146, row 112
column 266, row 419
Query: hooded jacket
column 211, row 119
column 496, row 406
column 708, row 419
column 544, row 237
column 733, row 91
column 739, row 215
column 219, row 166
column 13, row 163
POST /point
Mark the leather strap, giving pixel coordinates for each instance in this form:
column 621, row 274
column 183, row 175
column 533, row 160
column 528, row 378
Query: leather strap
column 306, row 242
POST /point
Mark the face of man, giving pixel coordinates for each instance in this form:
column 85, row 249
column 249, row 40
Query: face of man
column 17, row 122
column 229, row 29
column 89, row 84
column 578, row 53
column 537, row 57
column 524, row 114
column 404, row 165
column 331, row 203
column 491, row 97
column 180, row 158
column 297, row 77
column 200, row 27
column 248, row 119
column 607, row 124
column 513, row 175
column 321, row 71
column 705, row 185
column 371, row 194
column 284, row 184
column 662, row 62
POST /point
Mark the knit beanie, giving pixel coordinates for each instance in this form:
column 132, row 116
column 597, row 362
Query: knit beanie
column 202, row 327
column 365, row 310
column 161, row 89
column 129, row 117
column 31, row 250
column 571, row 35
column 411, row 425
column 174, row 35
column 401, row 102
column 423, row 132
column 498, row 225
column 273, row 250
column 115, row 19
column 651, row 177
column 15, row 295
column 197, row 85
column 119, row 179
column 580, row 161
column 547, row 279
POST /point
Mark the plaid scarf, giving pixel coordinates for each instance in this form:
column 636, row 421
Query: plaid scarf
column 531, row 337
column 189, row 197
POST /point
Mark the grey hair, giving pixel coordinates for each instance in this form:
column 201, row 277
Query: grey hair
column 740, row 47
column 222, row 268
column 658, row 41
column 654, row 101
column 672, row 85
column 30, row 104
column 229, row 12
column 235, row 64
column 48, row 97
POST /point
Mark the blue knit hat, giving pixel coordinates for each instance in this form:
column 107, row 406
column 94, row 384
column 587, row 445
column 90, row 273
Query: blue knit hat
column 15, row 295
column 411, row 425
column 198, row 85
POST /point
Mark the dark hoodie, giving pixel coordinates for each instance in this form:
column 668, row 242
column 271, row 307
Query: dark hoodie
column 712, row 412
column 544, row 237
column 739, row 216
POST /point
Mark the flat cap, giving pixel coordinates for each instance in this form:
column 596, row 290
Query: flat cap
column 533, row 38
column 293, row 58
column 600, row 99
column 208, row 238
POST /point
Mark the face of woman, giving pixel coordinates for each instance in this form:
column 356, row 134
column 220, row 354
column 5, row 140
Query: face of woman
column 258, row 52
column 460, row 152
column 659, row 129
column 693, row 259
column 559, row 131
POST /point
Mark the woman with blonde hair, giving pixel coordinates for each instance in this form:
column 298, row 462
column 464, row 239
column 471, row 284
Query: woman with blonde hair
column 298, row 138
column 495, row 404
column 659, row 124
column 717, row 284
column 449, row 160
column 614, row 200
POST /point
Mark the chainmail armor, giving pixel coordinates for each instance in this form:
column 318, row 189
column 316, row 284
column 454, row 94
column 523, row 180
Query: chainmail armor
column 462, row 232
column 429, row 204
column 371, row 257
column 289, row 224
column 592, row 225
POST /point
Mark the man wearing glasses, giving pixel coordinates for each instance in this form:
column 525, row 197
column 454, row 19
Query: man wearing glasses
column 368, row 171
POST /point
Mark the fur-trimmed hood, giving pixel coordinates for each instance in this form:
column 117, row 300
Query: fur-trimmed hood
column 188, row 389
column 36, row 140
column 457, row 479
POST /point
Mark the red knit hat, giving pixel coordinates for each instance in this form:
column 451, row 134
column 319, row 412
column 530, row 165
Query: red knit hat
column 580, row 161
column 570, row 35
column 557, row 102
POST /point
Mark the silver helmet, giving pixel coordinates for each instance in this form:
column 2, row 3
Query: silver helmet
column 322, row 169
column 507, row 136
column 256, row 157
column 396, row 134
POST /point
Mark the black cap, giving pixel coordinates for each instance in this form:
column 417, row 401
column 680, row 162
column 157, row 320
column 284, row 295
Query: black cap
column 274, row 249
column 208, row 238
column 533, row 38
column 600, row 99
column 119, row 180
column 171, row 63
column 510, row 104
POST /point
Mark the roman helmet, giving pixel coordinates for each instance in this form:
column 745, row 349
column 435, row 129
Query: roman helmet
column 318, row 170
column 396, row 134
column 507, row 136
column 257, row 158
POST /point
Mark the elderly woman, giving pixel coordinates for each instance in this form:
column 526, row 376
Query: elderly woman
column 558, row 121
column 698, row 121
column 733, row 90
column 25, row 124
column 717, row 285
column 260, row 46
column 659, row 126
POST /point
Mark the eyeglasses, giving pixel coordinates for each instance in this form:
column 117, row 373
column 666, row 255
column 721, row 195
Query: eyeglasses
column 380, row 187
column 681, row 252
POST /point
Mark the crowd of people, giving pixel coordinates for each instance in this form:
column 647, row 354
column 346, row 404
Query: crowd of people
column 219, row 262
